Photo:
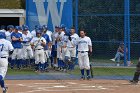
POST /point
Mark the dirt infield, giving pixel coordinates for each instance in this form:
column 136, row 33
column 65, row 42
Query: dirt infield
column 71, row 86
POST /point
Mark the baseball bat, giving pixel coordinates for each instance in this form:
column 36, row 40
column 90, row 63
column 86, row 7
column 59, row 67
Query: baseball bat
column 91, row 71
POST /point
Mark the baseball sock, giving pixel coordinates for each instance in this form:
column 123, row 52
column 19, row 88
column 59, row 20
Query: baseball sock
column 63, row 64
column 9, row 60
column 88, row 71
column 42, row 67
column 58, row 61
column 73, row 62
column 23, row 62
column 70, row 66
column 36, row 67
column 12, row 63
column 82, row 72
column 136, row 76
column 2, row 82
column 51, row 58
column 45, row 65
column 39, row 66
column 19, row 63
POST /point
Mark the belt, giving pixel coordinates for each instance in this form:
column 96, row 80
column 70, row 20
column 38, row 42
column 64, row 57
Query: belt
column 38, row 49
column 3, row 57
column 82, row 51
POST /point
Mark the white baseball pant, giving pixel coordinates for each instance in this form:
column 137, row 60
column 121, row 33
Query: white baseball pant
column 27, row 52
column 17, row 54
column 83, row 60
column 3, row 66
column 39, row 56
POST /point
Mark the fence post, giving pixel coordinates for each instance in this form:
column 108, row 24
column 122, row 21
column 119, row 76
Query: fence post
column 76, row 15
column 27, row 13
column 127, row 30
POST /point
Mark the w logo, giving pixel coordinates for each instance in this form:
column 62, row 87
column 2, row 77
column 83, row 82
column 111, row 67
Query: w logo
column 52, row 12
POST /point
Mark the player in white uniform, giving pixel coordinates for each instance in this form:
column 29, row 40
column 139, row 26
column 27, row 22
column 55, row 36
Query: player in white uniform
column 71, row 49
column 60, row 34
column 49, row 33
column 27, row 50
column 84, row 45
column 65, row 40
column 6, row 48
column 38, row 43
column 54, row 47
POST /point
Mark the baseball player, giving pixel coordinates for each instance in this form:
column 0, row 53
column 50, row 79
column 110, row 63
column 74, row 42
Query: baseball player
column 84, row 45
column 60, row 34
column 16, row 42
column 136, row 74
column 10, row 29
column 46, row 48
column 26, row 50
column 54, row 47
column 65, row 41
column 49, row 33
column 38, row 43
column 71, row 49
column 6, row 48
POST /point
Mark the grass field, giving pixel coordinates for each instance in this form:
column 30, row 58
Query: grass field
column 98, row 71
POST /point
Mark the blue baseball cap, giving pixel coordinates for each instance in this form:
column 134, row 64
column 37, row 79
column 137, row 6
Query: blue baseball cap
column 10, row 26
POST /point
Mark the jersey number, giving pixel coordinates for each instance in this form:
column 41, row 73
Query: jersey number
column 1, row 47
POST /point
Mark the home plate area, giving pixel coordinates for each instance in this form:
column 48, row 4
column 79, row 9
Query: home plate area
column 71, row 86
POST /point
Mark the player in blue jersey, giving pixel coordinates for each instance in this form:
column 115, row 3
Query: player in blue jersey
column 16, row 39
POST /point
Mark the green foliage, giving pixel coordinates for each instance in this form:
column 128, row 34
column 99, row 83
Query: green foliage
column 21, row 72
column 12, row 4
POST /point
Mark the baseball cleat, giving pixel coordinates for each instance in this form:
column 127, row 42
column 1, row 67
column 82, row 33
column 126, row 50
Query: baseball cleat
column 5, row 90
column 82, row 78
column 133, row 82
column 88, row 78
column 112, row 59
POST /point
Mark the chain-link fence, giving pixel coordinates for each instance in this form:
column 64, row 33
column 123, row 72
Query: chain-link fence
column 104, row 21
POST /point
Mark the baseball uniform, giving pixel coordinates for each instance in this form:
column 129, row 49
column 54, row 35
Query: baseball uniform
column 5, row 48
column 17, row 50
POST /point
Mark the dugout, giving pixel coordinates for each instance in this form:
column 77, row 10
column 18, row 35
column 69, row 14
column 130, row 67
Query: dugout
column 12, row 17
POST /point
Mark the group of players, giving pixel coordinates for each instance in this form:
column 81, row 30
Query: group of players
column 39, row 45
column 23, row 47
